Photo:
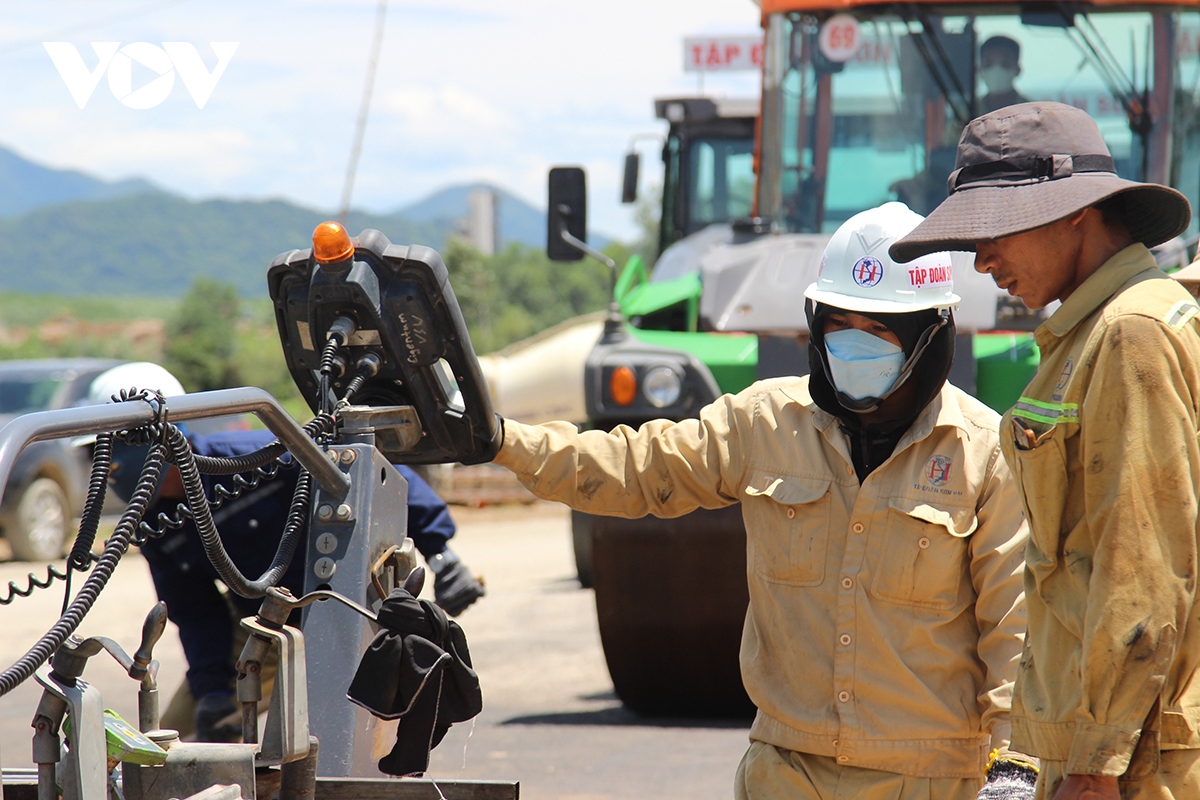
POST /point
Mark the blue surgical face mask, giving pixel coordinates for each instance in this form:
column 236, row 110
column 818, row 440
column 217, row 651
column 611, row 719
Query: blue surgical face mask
column 862, row 365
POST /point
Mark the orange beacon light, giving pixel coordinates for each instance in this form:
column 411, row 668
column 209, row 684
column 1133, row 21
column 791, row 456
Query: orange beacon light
column 331, row 243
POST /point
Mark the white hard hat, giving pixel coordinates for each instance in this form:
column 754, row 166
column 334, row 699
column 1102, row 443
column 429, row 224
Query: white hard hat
column 857, row 274
column 136, row 374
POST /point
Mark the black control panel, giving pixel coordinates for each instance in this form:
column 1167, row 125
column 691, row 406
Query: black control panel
column 393, row 308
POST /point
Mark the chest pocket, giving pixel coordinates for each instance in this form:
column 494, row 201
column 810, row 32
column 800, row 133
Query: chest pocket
column 787, row 526
column 922, row 557
column 1042, row 476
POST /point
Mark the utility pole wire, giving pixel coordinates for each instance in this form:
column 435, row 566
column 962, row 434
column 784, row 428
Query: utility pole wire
column 364, row 108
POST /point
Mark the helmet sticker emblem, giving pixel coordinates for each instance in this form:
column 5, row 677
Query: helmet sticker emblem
column 867, row 271
column 869, row 247
column 937, row 470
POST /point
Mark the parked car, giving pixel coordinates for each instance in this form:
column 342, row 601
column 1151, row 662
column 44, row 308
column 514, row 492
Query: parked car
column 48, row 485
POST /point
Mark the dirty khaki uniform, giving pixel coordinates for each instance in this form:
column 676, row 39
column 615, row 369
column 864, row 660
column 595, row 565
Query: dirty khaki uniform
column 886, row 620
column 1110, row 490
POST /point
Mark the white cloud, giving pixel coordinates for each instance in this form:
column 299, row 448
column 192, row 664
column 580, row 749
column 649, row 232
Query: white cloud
column 466, row 90
column 204, row 159
column 433, row 113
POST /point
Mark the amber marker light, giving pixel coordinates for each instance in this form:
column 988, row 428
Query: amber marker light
column 622, row 385
column 331, row 243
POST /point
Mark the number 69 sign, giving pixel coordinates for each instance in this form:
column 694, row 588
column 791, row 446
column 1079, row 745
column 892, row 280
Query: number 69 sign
column 840, row 38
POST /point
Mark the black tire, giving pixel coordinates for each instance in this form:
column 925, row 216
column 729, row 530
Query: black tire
column 671, row 600
column 581, row 540
column 40, row 525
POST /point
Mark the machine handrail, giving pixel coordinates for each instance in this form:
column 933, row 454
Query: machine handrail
column 84, row 420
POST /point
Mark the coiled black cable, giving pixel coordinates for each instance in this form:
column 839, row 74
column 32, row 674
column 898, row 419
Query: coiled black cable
column 81, row 552
column 184, row 459
column 167, row 443
column 81, row 556
column 32, row 582
column 231, row 465
column 259, row 463
column 326, row 369
column 114, row 549
column 316, row 428
column 354, row 385
column 221, row 495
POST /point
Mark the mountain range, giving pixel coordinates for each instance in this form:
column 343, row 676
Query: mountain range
column 25, row 186
column 66, row 232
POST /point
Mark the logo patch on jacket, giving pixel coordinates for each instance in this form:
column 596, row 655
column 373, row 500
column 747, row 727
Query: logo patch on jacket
column 1064, row 378
column 937, row 470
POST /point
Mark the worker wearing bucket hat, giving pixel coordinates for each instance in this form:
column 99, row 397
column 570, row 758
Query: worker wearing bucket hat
column 1104, row 443
column 884, row 539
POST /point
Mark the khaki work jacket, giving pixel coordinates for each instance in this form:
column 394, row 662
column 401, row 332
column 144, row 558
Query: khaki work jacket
column 1110, row 490
column 886, row 620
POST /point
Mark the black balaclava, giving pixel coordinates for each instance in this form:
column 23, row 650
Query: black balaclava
column 873, row 444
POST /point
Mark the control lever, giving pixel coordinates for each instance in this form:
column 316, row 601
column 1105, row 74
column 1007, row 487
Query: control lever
column 285, row 735
column 64, row 692
column 397, row 560
column 415, row 581
column 84, row 775
column 141, row 666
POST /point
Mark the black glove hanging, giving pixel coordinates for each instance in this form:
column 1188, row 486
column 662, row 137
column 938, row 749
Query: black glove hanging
column 418, row 670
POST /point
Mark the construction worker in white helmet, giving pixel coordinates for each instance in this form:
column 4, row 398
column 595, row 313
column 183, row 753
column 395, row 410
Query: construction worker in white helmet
column 885, row 537
column 204, row 707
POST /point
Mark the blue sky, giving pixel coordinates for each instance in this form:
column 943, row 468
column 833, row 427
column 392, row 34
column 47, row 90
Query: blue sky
column 466, row 90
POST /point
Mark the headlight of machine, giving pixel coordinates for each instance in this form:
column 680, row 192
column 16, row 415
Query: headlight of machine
column 662, row 386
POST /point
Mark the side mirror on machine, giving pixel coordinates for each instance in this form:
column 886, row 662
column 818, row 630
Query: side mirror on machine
column 630, row 182
column 566, row 233
column 566, row 216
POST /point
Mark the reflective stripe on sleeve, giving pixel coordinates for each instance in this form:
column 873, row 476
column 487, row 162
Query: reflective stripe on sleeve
column 1048, row 413
column 1180, row 314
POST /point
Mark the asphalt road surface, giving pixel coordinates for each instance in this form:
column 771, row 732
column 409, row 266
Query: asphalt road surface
column 550, row 718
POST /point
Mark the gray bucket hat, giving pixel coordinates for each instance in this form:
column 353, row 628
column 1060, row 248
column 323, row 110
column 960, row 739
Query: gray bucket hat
column 1029, row 165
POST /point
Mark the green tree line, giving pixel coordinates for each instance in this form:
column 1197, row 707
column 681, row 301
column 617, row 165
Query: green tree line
column 212, row 338
column 519, row 292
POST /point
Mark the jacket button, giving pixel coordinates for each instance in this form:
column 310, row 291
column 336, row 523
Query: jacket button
column 850, row 470
column 847, row 583
column 844, row 696
column 835, row 742
column 923, row 542
column 791, row 513
column 857, row 527
column 845, row 638
column 843, row 759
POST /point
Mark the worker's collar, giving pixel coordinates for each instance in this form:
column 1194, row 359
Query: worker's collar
column 942, row 411
column 1096, row 291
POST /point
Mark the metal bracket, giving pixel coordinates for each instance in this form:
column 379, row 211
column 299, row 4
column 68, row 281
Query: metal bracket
column 396, row 428
column 84, row 773
column 393, row 566
column 285, row 736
